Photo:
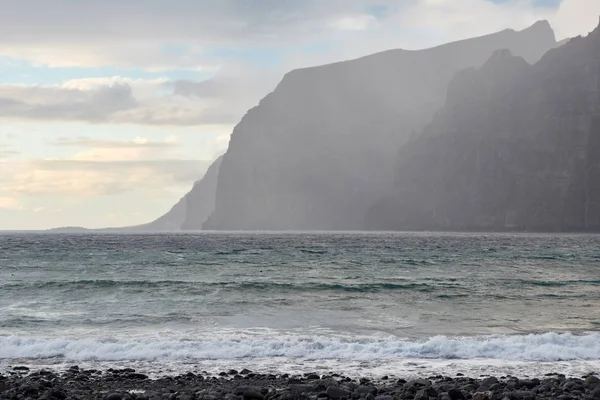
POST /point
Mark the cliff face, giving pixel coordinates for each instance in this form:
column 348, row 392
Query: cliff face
column 320, row 150
column 516, row 147
column 171, row 221
column 200, row 201
column 190, row 211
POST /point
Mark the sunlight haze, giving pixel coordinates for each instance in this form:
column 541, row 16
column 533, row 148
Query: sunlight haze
column 111, row 110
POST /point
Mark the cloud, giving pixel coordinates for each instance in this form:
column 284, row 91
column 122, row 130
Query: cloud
column 96, row 178
column 91, row 33
column 6, row 151
column 221, row 100
column 243, row 22
column 355, row 23
column 97, row 29
column 83, row 141
column 204, row 31
column 576, row 17
column 64, row 103
column 9, row 203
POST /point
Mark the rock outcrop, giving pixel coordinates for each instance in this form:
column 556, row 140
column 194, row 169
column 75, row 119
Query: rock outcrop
column 320, row 150
column 516, row 147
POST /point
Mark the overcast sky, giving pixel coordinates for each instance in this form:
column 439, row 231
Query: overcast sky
column 109, row 110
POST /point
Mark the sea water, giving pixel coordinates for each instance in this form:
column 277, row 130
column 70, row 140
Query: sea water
column 357, row 303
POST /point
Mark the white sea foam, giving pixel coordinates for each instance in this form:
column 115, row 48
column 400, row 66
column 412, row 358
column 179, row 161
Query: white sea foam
column 546, row 347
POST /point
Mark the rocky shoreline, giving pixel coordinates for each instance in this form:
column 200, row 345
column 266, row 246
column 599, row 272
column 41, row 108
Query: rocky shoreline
column 126, row 384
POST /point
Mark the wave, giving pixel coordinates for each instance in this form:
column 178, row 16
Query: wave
column 559, row 283
column 252, row 285
column 533, row 347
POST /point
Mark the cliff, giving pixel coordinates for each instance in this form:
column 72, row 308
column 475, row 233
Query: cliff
column 190, row 211
column 320, row 150
column 200, row 201
column 516, row 147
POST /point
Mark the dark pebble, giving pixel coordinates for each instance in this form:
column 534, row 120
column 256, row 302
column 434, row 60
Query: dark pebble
column 456, row 394
column 253, row 395
column 118, row 384
column 335, row 392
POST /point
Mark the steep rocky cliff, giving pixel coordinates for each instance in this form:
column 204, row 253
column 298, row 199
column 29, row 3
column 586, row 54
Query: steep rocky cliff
column 190, row 211
column 200, row 201
column 320, row 150
column 516, row 147
column 171, row 221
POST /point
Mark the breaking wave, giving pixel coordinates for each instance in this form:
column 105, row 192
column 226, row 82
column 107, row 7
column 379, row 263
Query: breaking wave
column 533, row 347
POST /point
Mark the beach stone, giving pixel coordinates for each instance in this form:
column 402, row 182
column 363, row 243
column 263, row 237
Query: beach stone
column 60, row 395
column 137, row 375
column 21, row 368
column 487, row 382
column 28, row 390
column 456, row 394
column 488, row 395
column 512, row 384
column 366, row 389
column 301, row 389
column 418, row 382
column 239, row 390
column 595, row 394
column 522, row 394
column 544, row 388
column 335, row 392
column 325, row 383
column 253, row 395
column 592, row 382
column 421, row 395
column 483, row 396
column 529, row 384
column 571, row 386
column 384, row 397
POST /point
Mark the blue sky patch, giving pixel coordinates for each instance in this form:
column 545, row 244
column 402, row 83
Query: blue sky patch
column 21, row 72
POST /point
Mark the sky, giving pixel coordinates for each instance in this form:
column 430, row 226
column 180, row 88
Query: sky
column 110, row 110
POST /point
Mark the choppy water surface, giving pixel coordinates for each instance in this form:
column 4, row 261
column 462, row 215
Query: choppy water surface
column 377, row 302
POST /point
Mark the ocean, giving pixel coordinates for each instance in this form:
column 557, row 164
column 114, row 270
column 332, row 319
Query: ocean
column 368, row 304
